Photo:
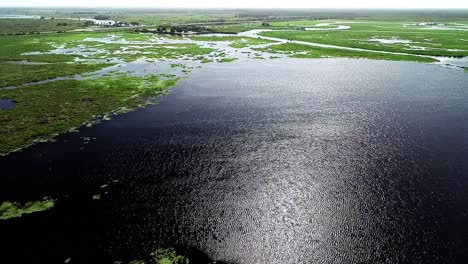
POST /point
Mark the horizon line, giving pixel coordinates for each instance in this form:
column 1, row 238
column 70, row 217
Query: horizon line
column 246, row 8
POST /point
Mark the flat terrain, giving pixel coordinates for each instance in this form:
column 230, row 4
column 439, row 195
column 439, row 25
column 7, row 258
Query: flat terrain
column 69, row 70
column 434, row 39
column 284, row 161
column 43, row 53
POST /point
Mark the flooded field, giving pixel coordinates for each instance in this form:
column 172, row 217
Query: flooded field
column 259, row 161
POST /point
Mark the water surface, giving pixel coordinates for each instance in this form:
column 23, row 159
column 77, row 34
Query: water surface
column 6, row 104
column 279, row 161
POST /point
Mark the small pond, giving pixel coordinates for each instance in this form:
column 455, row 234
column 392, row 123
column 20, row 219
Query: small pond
column 6, row 104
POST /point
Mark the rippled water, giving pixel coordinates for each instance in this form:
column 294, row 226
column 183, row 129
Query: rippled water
column 282, row 161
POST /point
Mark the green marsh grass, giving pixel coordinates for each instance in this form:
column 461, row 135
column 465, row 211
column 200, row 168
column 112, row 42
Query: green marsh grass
column 10, row 210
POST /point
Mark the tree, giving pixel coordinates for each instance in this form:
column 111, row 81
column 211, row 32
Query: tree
column 88, row 23
column 134, row 23
column 101, row 17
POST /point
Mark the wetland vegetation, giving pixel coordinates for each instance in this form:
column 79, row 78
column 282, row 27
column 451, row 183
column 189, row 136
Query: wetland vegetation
column 13, row 210
column 52, row 76
column 55, row 107
column 66, row 69
column 418, row 37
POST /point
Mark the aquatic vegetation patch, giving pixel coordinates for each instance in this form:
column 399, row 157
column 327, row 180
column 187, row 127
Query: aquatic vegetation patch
column 162, row 256
column 169, row 256
column 17, row 74
column 154, row 51
column 136, row 262
column 89, row 46
column 206, row 61
column 393, row 35
column 305, row 51
column 236, row 41
column 16, row 48
column 44, row 110
column 12, row 210
column 224, row 60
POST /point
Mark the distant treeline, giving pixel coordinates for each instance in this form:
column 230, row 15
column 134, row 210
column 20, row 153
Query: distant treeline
column 305, row 14
column 102, row 17
column 176, row 30
column 85, row 12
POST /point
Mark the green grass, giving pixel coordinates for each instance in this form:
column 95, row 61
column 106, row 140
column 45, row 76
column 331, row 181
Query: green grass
column 17, row 74
column 28, row 26
column 237, row 27
column 436, row 42
column 162, row 256
column 153, row 51
column 45, row 110
column 306, row 51
column 169, row 256
column 224, row 60
column 171, row 18
column 13, row 210
column 14, row 47
column 236, row 42
column 296, row 23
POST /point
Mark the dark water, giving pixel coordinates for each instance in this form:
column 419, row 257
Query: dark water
column 283, row 161
column 6, row 104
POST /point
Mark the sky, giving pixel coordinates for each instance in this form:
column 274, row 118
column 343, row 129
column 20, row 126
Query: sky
column 395, row 4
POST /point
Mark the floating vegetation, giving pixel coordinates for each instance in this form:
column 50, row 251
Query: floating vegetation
column 137, row 262
column 12, row 210
column 224, row 60
column 161, row 256
column 169, row 256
